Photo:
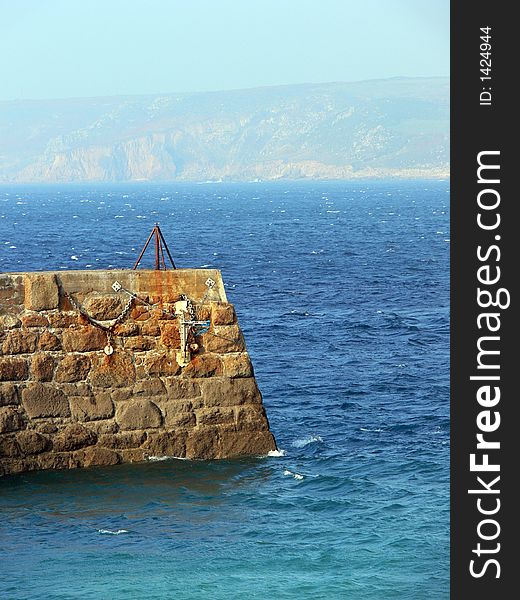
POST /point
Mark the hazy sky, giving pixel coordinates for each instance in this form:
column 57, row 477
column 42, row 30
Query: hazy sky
column 68, row 48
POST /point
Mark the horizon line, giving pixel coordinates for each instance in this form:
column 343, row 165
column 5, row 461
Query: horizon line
column 245, row 89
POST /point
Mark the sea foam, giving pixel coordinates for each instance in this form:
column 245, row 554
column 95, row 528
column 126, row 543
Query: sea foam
column 110, row 532
column 276, row 453
column 295, row 475
column 302, row 442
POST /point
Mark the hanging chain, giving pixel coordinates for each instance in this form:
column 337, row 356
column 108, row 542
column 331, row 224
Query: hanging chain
column 190, row 307
column 96, row 322
column 126, row 310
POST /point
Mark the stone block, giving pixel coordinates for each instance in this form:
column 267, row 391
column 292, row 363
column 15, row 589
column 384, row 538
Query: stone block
column 223, row 339
column 176, row 420
column 167, row 443
column 175, row 407
column 126, row 439
column 105, row 307
column 149, row 387
column 45, row 427
column 215, row 416
column 74, row 367
column 55, row 460
column 20, row 341
column 182, row 388
column 251, row 418
column 34, row 320
column 8, row 394
column 139, row 313
column 138, row 414
column 79, row 388
column 132, row 455
column 237, row 365
column 235, row 444
column 204, row 365
column 9, row 322
column 170, row 336
column 162, row 364
column 11, row 289
column 45, row 400
column 223, row 314
column 41, row 291
column 104, row 426
column 84, row 339
column 42, row 368
column 49, row 342
column 203, row 313
column 126, row 329
column 140, row 371
column 31, row 442
column 138, row 343
column 203, row 443
column 96, row 456
column 13, row 369
column 72, row 437
column 151, row 328
column 121, row 394
column 11, row 419
column 11, row 466
column 9, row 447
column 230, row 392
column 91, row 408
column 63, row 320
column 113, row 371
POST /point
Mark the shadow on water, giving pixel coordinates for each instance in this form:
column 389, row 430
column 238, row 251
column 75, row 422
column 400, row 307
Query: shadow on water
column 165, row 481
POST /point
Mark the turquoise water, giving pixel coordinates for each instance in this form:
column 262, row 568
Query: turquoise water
column 342, row 292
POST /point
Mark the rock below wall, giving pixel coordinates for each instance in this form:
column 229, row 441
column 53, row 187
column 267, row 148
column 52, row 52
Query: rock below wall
column 65, row 404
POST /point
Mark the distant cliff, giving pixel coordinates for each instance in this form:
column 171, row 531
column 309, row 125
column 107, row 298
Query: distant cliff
column 394, row 127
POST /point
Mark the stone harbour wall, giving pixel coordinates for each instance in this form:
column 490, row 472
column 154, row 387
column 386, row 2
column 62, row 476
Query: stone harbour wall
column 65, row 403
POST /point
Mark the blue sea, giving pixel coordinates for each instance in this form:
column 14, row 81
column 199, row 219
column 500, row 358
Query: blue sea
column 342, row 291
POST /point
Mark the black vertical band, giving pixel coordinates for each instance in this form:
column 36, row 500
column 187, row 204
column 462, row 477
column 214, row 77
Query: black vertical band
column 483, row 127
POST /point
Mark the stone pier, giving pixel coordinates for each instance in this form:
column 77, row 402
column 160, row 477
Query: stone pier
column 65, row 402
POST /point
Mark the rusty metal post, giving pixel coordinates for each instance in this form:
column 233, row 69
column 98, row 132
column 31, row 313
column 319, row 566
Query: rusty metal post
column 157, row 263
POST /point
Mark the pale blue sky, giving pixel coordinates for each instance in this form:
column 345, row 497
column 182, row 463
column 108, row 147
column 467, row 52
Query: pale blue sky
column 70, row 48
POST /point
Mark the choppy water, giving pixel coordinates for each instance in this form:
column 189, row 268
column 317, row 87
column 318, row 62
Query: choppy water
column 342, row 292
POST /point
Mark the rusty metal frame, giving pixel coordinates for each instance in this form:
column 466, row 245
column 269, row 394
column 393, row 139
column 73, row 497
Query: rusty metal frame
column 160, row 247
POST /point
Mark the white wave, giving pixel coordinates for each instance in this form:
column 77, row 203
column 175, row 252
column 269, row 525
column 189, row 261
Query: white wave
column 295, row 475
column 161, row 458
column 276, row 453
column 371, row 430
column 302, row 442
column 110, row 532
column 74, row 257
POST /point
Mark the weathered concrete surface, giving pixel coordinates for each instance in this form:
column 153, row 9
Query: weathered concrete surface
column 65, row 404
